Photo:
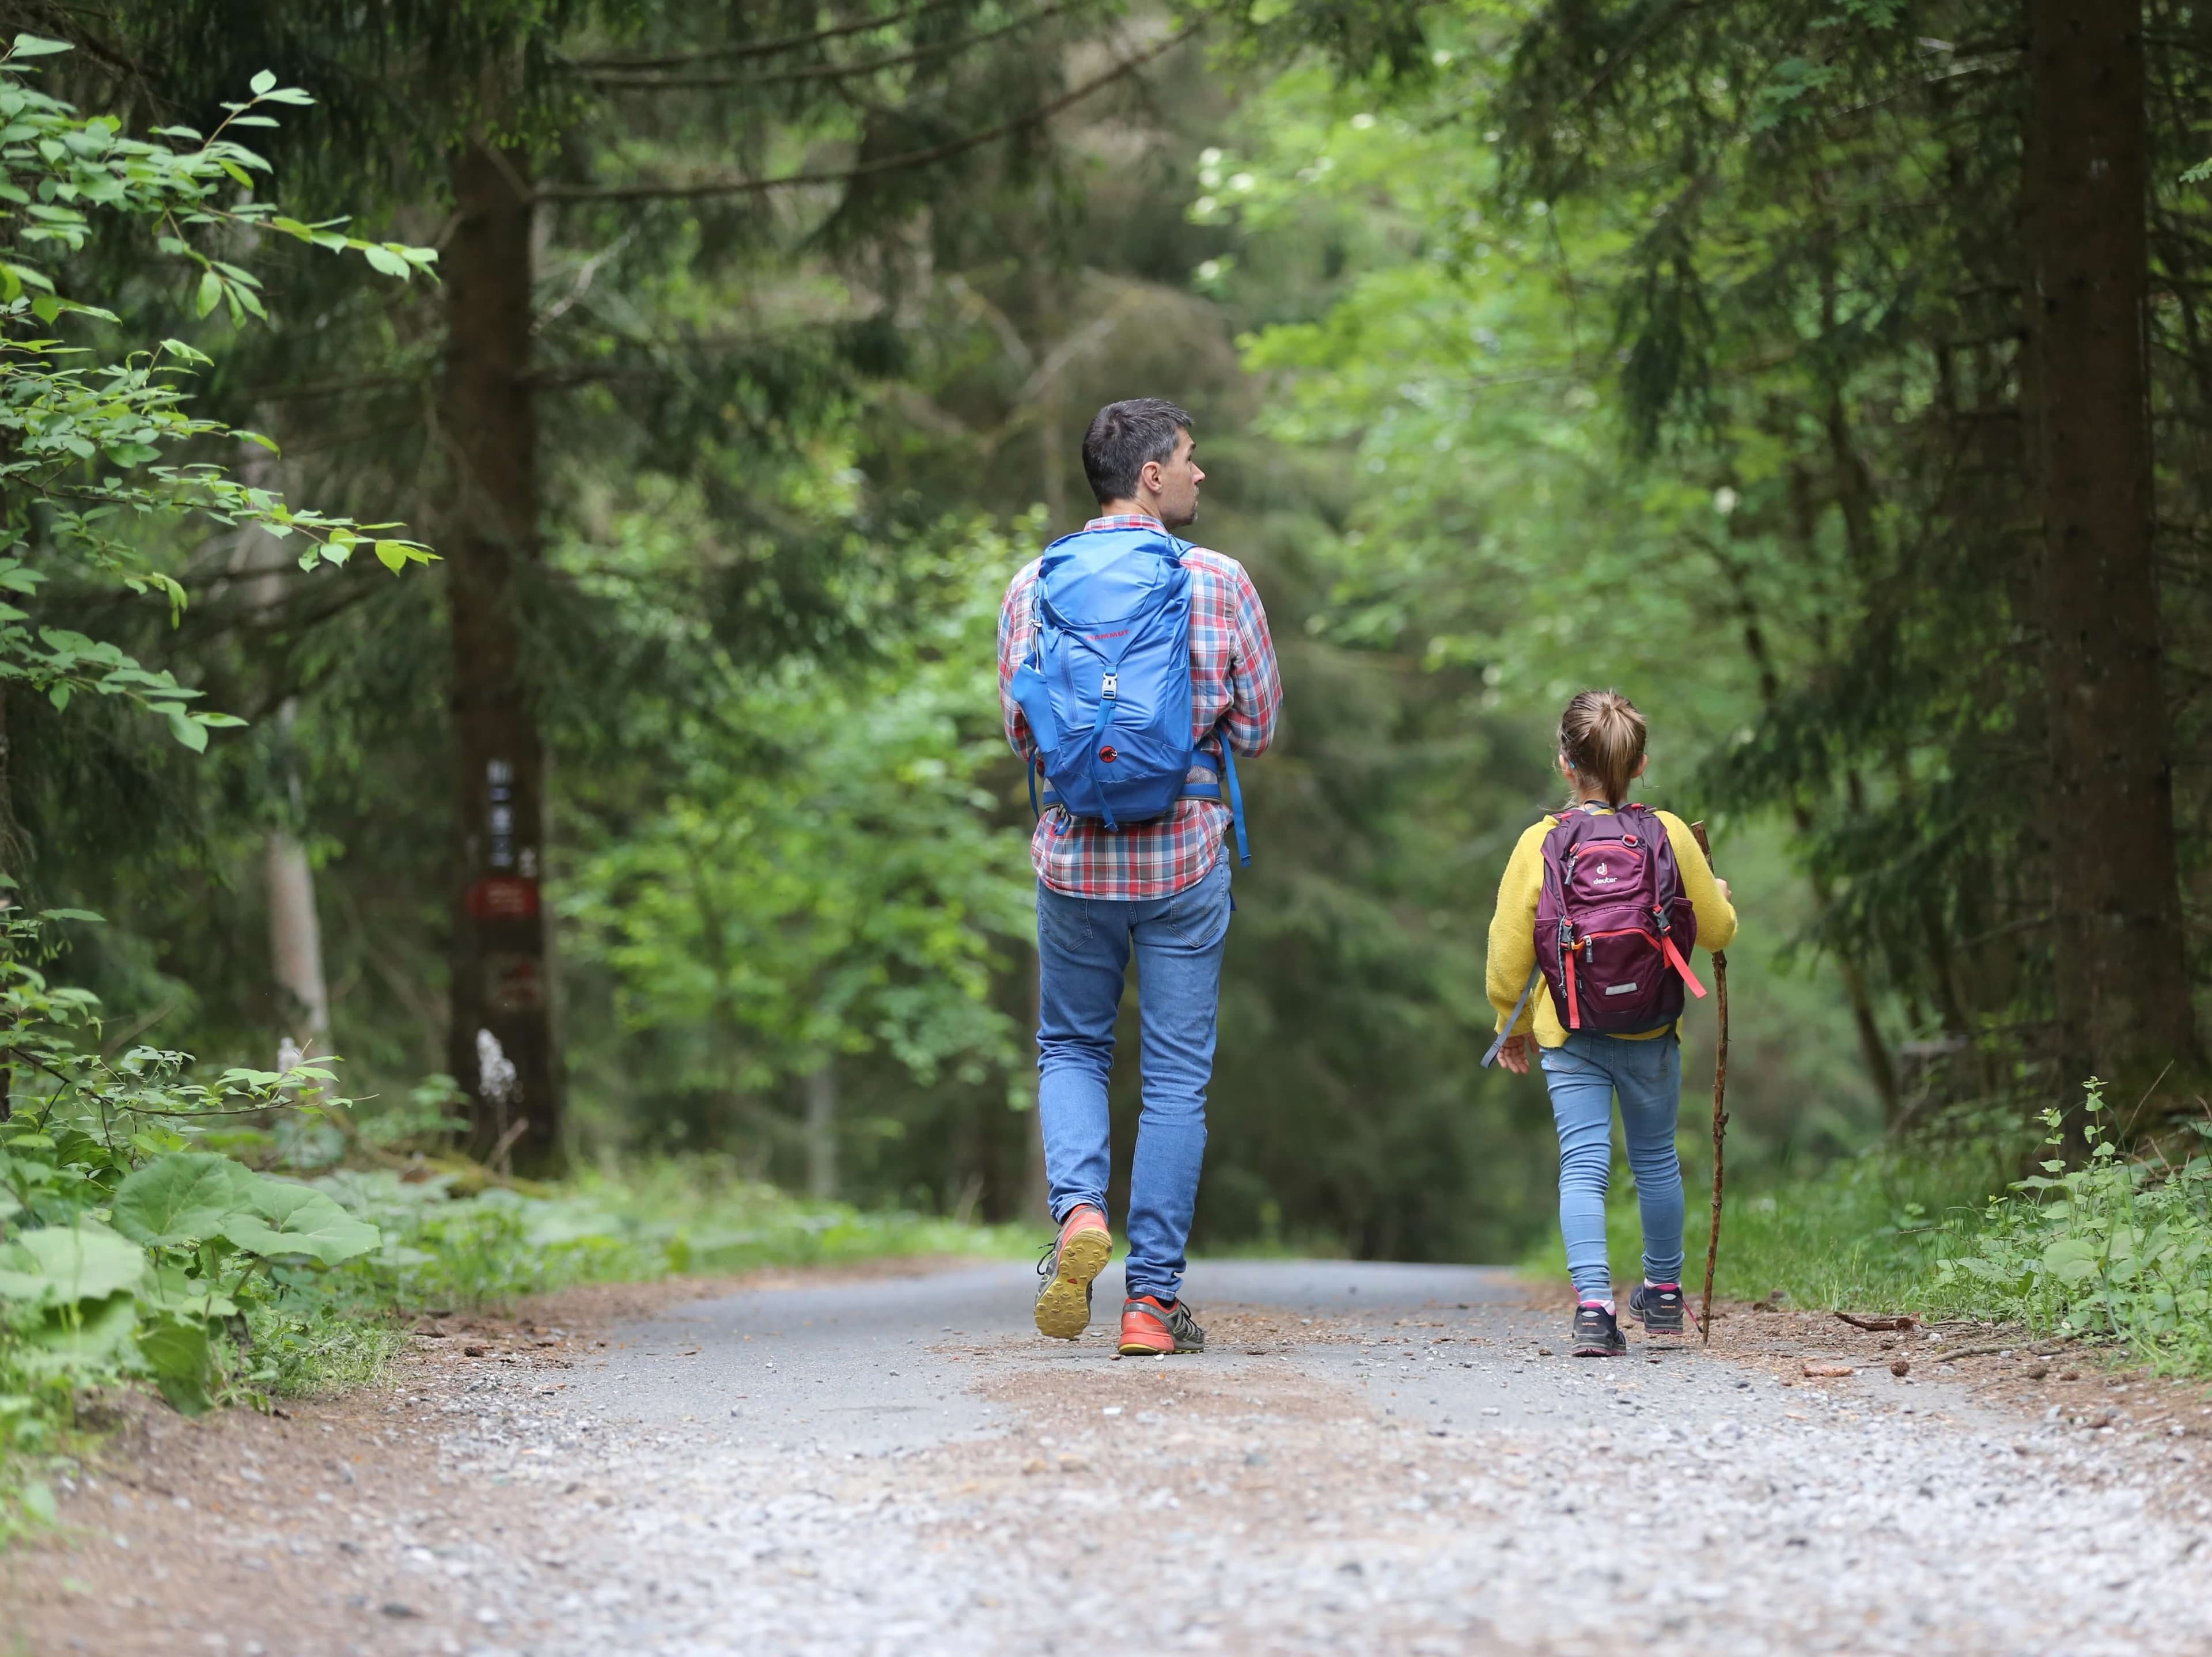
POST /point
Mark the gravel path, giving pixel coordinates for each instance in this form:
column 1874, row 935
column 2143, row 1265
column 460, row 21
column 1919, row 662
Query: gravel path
column 1371, row 1457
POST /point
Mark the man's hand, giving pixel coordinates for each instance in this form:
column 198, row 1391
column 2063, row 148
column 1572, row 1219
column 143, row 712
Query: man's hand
column 1727, row 896
column 1514, row 1055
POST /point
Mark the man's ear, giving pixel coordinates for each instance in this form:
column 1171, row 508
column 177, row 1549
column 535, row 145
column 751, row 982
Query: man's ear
column 1148, row 477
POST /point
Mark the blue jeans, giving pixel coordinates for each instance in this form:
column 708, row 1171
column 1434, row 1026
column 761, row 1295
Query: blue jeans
column 1583, row 1076
column 1083, row 950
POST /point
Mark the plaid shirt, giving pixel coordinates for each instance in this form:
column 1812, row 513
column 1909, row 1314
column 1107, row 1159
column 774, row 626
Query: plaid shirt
column 1233, row 673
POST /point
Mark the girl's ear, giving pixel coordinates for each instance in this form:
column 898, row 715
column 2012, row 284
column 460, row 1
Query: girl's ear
column 1566, row 769
column 1642, row 762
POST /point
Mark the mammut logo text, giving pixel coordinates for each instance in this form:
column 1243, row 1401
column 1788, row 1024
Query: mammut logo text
column 1123, row 633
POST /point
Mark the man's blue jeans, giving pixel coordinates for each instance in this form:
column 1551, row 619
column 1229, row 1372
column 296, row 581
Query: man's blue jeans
column 1083, row 951
column 1583, row 1076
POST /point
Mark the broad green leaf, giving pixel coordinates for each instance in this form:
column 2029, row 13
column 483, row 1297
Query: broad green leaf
column 87, row 1340
column 181, row 1199
column 56, row 1265
column 177, row 1350
column 37, row 45
column 290, row 1219
column 392, row 554
column 209, row 294
column 2070, row 1259
column 384, row 259
column 263, row 83
column 175, row 1289
column 185, row 731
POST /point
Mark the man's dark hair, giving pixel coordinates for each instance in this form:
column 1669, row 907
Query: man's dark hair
column 1122, row 437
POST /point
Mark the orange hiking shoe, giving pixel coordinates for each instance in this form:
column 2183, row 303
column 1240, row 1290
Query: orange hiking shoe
column 1071, row 1261
column 1150, row 1329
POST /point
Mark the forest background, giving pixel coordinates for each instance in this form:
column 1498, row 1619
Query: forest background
column 1685, row 349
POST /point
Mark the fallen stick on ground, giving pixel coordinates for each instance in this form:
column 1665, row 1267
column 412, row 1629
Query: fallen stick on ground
column 1720, row 1115
column 1875, row 1325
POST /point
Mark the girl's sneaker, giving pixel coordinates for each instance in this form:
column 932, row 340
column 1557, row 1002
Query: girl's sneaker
column 1659, row 1307
column 1596, row 1335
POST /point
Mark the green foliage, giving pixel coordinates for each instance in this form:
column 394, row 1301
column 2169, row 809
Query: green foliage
column 2110, row 1246
column 627, row 1222
column 129, row 1253
column 180, row 1200
column 2114, row 1246
column 1865, row 1233
column 841, row 887
column 100, row 455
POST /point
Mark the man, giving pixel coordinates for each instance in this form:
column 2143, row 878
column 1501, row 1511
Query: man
column 1160, row 888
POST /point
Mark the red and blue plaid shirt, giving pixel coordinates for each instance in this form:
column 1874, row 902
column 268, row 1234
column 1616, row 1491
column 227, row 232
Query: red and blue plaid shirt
column 1234, row 684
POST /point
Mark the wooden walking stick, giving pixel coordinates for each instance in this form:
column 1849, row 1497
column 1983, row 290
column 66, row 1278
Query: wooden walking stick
column 1720, row 1114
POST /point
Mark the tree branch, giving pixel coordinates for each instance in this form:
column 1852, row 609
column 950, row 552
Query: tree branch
column 924, row 157
column 763, row 48
column 620, row 81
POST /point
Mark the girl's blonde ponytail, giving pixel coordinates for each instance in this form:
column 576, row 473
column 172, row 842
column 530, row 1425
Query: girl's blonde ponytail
column 1601, row 739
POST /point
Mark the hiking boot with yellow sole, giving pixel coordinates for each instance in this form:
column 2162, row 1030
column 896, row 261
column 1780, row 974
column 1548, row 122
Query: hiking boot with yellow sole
column 1070, row 1264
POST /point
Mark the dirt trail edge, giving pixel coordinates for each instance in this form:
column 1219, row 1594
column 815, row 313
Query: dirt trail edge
column 1371, row 1457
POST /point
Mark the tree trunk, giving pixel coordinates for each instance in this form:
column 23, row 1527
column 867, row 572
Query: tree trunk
column 822, row 1131
column 2122, row 994
column 295, row 935
column 11, row 865
column 501, row 1042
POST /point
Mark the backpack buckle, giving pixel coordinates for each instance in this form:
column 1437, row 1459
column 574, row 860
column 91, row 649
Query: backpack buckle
column 1111, row 686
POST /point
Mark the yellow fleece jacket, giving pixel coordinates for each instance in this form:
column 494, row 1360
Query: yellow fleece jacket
column 1513, row 928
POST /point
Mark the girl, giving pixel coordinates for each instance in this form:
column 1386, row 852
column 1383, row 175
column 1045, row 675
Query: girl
column 1601, row 754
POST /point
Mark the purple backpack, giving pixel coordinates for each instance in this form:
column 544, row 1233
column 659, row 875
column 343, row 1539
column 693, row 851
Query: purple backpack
column 1614, row 926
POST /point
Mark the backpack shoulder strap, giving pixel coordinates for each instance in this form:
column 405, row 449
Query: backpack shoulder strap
column 1224, row 788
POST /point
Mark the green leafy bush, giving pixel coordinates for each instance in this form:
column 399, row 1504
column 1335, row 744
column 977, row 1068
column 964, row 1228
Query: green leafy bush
column 2117, row 1246
column 129, row 1251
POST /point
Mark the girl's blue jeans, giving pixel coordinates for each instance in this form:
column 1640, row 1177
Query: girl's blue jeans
column 1083, row 951
column 1583, row 1076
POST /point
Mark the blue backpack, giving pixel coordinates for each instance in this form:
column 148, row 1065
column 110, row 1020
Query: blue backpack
column 1106, row 686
